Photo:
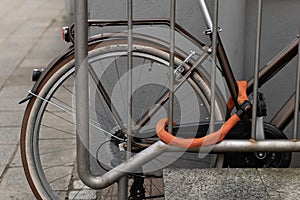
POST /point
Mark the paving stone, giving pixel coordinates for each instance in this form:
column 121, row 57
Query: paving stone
column 14, row 92
column 82, row 194
column 213, row 184
column 281, row 183
column 17, row 161
column 2, row 167
column 14, row 181
column 5, row 73
column 78, row 185
column 10, row 135
column 13, row 195
column 41, row 56
column 274, row 184
column 11, row 118
column 12, row 104
column 6, row 153
column 11, row 56
column 20, row 78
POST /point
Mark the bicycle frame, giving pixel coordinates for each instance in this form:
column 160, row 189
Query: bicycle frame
column 282, row 118
column 285, row 114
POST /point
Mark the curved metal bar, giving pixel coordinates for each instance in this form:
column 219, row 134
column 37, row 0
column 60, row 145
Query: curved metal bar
column 137, row 161
column 141, row 22
column 130, row 166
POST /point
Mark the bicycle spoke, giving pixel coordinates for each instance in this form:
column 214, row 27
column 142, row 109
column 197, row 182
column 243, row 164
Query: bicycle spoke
column 61, row 107
column 57, row 151
column 59, row 130
column 61, row 102
column 68, row 164
column 150, row 191
column 59, row 178
column 106, row 98
column 120, row 86
column 60, row 117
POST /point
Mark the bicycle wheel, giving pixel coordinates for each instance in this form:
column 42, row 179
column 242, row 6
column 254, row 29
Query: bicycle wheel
column 261, row 159
column 48, row 139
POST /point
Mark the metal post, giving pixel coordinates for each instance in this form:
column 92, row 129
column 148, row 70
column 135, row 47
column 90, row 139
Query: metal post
column 171, row 67
column 297, row 93
column 213, row 69
column 213, row 75
column 81, row 87
column 129, row 76
column 123, row 182
column 122, row 188
column 256, row 70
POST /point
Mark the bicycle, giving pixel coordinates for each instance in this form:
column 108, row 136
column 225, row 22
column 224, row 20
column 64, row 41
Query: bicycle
column 48, row 138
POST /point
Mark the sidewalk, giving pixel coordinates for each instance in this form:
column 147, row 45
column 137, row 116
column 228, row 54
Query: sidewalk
column 29, row 38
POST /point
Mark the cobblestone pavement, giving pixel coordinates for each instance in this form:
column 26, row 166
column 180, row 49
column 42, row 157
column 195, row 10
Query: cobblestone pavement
column 29, row 38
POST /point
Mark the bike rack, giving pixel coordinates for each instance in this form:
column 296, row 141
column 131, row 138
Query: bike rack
column 136, row 162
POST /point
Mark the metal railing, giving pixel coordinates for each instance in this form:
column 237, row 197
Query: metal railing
column 133, row 163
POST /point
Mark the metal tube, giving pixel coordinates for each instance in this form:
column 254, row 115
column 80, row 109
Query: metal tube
column 223, row 60
column 123, row 182
column 213, row 75
column 282, row 145
column 137, row 161
column 275, row 65
column 206, row 15
column 213, row 68
column 171, row 67
column 296, row 112
column 285, row 115
column 123, row 188
column 130, row 166
column 143, row 22
column 227, row 72
column 256, row 70
column 129, row 75
column 81, row 87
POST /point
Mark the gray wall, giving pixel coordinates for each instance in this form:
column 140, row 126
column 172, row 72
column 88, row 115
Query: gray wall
column 238, row 19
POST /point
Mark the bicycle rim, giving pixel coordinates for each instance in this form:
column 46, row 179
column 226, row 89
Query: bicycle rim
column 48, row 140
